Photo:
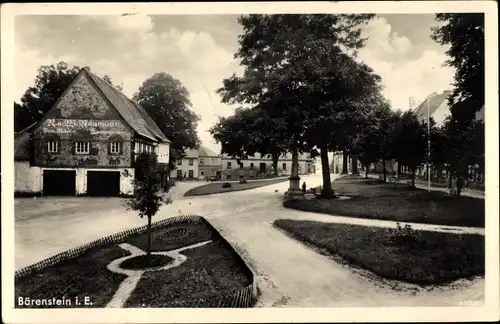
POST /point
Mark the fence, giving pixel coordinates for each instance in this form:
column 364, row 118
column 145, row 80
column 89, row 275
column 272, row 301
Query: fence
column 243, row 298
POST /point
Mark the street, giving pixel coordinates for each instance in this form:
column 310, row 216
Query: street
column 289, row 273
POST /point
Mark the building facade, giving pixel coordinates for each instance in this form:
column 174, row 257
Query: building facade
column 203, row 164
column 187, row 167
column 87, row 142
column 210, row 163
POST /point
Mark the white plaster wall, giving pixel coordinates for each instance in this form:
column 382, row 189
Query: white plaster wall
column 126, row 180
column 441, row 113
column 27, row 179
column 185, row 167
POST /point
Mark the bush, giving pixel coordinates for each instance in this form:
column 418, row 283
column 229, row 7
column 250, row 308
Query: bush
column 403, row 236
column 226, row 185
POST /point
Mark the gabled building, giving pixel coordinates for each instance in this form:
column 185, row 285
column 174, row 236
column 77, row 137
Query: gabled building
column 259, row 164
column 87, row 142
column 209, row 163
column 187, row 167
column 436, row 105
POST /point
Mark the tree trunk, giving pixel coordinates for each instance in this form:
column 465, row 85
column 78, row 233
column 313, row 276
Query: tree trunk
column 413, row 177
column 384, row 170
column 366, row 172
column 344, row 162
column 459, row 185
column 450, row 179
column 399, row 171
column 275, row 157
column 354, row 165
column 148, row 251
column 327, row 190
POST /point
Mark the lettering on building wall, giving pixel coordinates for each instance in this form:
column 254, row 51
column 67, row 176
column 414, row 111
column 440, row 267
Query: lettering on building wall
column 96, row 126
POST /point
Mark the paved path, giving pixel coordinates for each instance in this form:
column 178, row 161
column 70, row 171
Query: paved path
column 288, row 273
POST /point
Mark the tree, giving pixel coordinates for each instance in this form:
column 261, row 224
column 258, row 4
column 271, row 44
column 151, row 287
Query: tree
column 464, row 33
column 247, row 132
column 146, row 200
column 464, row 147
column 108, row 80
column 384, row 132
column 167, row 101
column 284, row 57
column 368, row 141
column 50, row 82
column 410, row 142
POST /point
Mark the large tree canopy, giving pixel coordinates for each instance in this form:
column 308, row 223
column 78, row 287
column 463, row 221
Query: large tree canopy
column 167, row 102
column 249, row 131
column 292, row 65
column 50, row 82
column 464, row 33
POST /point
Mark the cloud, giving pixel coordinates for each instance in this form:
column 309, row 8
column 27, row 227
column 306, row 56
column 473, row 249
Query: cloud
column 404, row 75
column 130, row 52
column 200, row 54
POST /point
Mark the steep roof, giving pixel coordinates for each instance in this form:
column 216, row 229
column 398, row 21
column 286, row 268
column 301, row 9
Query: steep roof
column 204, row 151
column 133, row 113
column 434, row 100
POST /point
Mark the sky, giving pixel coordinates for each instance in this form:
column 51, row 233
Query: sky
column 198, row 50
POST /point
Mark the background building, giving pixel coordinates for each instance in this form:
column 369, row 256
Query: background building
column 187, row 167
column 210, row 163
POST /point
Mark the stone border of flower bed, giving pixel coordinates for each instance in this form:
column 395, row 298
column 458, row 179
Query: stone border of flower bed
column 244, row 298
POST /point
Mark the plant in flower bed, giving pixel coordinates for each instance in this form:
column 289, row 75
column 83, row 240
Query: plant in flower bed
column 423, row 258
column 210, row 272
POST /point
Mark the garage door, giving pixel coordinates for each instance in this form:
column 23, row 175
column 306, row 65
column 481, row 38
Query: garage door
column 103, row 183
column 59, row 183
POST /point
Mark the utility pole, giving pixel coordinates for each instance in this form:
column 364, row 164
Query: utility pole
column 428, row 144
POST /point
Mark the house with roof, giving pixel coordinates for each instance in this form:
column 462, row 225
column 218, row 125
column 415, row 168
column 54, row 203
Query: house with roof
column 87, row 142
column 436, row 106
column 209, row 163
column 187, row 167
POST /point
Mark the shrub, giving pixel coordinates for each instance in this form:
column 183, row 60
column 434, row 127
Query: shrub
column 403, row 236
column 226, row 185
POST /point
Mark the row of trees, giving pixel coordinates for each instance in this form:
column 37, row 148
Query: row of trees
column 304, row 91
column 162, row 96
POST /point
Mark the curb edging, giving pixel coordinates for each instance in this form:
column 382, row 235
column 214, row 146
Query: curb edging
column 243, row 298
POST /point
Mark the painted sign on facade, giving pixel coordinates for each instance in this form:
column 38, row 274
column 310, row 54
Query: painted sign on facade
column 66, row 126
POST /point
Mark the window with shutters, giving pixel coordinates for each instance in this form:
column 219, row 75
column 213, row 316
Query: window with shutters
column 82, row 147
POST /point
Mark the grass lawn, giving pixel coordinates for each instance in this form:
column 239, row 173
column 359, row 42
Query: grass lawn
column 437, row 258
column 214, row 188
column 210, row 271
column 376, row 200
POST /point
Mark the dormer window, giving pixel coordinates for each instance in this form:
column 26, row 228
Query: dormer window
column 82, row 147
column 52, row 147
